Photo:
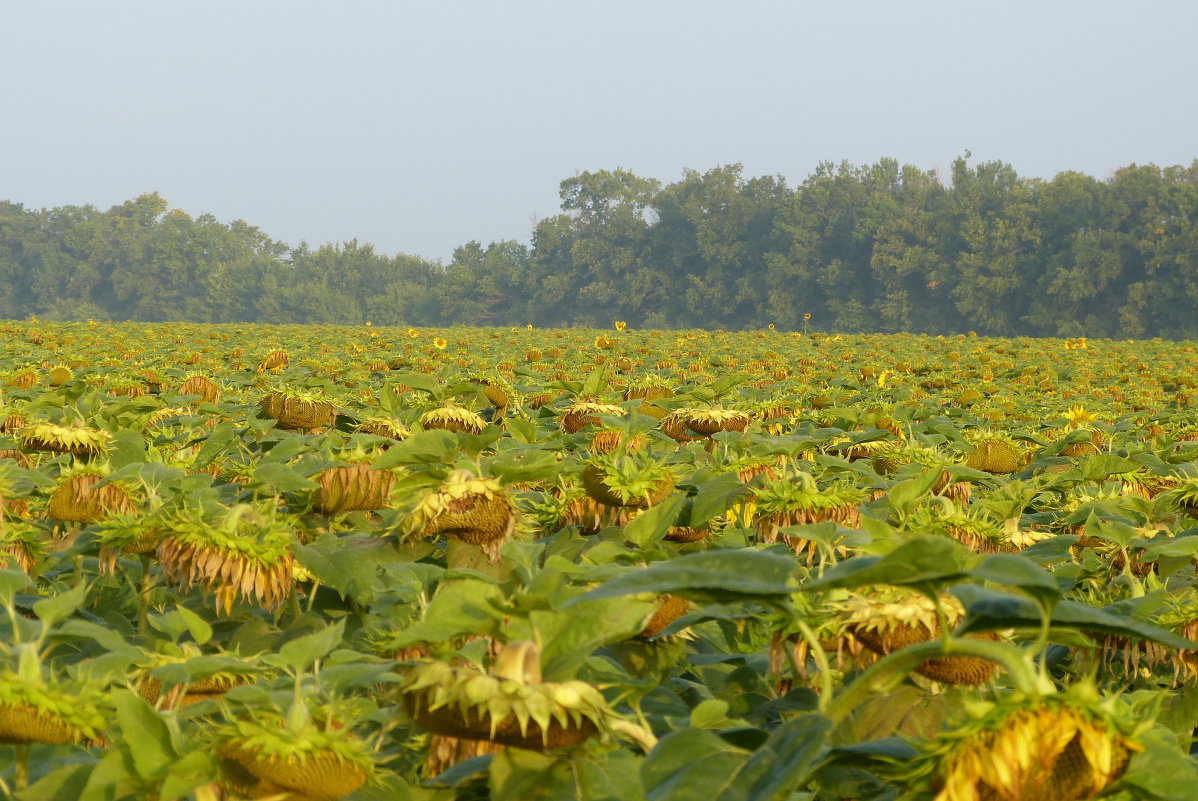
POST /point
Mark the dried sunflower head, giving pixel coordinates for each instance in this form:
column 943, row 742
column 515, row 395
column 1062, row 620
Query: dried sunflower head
column 509, row 704
column 304, row 755
column 579, row 415
column 452, row 417
column 36, row 708
column 76, row 439
column 241, row 552
column 465, row 507
column 631, row 478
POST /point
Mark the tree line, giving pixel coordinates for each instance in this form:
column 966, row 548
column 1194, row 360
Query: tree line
column 882, row 247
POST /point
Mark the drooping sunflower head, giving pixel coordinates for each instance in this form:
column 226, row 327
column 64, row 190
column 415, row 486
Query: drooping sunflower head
column 382, row 426
column 707, row 421
column 894, row 619
column 1067, row 746
column 305, row 754
column 627, row 478
column 507, row 704
column 795, row 498
column 452, row 417
column 993, row 452
column 76, row 439
column 649, row 387
column 243, row 551
column 1184, row 496
column 971, row 528
column 581, row 414
column 129, row 533
column 21, row 545
column 37, row 706
column 297, row 407
column 464, row 507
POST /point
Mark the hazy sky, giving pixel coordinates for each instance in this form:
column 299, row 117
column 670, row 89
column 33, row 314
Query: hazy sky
column 421, row 126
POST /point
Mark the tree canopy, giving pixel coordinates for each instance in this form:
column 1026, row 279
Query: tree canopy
column 881, row 247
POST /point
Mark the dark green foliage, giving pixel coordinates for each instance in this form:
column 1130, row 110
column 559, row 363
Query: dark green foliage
column 884, row 247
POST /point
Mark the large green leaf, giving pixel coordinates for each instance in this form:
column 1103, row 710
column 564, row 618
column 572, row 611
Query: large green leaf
column 650, row 525
column 302, row 652
column 920, row 561
column 987, row 610
column 146, row 736
column 782, row 764
column 569, row 637
column 67, row 781
column 713, row 576
column 1016, row 571
column 519, row 775
column 690, row 765
column 461, row 606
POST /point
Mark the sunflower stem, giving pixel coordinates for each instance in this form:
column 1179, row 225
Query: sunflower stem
column 890, row 670
column 817, row 652
column 143, row 598
column 21, row 776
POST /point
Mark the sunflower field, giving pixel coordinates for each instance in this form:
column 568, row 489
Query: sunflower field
column 313, row 563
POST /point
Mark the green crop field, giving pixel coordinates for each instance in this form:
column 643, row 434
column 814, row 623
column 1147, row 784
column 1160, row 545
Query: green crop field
column 315, row 562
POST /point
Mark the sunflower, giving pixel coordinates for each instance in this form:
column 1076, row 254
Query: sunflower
column 440, row 344
column 452, row 417
column 36, row 708
column 21, row 545
column 79, row 498
column 892, row 620
column 1069, row 746
column 298, row 409
column 581, row 414
column 239, row 552
column 77, row 439
column 467, row 508
column 796, row 499
column 296, row 757
column 627, row 478
column 509, row 704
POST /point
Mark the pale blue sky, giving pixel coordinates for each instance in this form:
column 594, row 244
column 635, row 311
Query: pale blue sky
column 421, row 126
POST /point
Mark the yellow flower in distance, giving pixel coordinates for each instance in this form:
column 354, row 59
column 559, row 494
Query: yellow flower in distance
column 439, row 343
column 621, row 325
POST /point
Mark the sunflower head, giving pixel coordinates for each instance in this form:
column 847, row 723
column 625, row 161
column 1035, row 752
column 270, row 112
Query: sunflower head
column 1063, row 747
column 381, row 426
column 465, row 507
column 1077, row 416
column 579, row 415
column 238, row 552
column 452, row 417
column 77, row 439
column 39, row 708
column 303, row 754
column 507, row 704
column 627, row 478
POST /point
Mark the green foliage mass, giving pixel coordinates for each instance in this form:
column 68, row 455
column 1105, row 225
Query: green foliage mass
column 885, row 247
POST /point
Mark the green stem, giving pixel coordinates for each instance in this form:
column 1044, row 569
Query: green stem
column 22, row 766
column 887, row 672
column 817, row 652
column 293, row 603
column 1041, row 645
column 143, row 598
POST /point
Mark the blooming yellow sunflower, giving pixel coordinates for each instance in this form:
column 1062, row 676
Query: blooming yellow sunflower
column 439, row 343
